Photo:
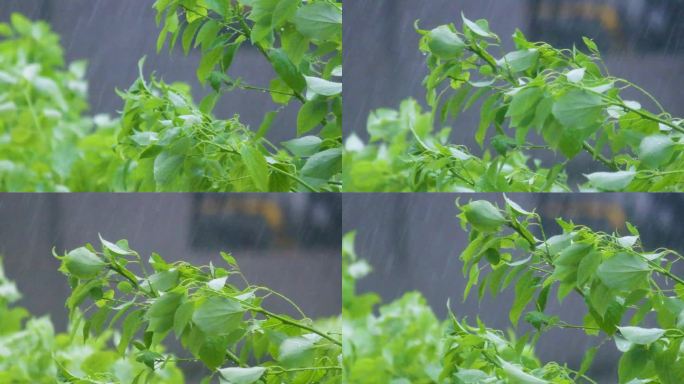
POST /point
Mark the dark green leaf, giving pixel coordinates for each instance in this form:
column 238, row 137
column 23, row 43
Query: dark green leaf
column 287, row 71
column 311, row 114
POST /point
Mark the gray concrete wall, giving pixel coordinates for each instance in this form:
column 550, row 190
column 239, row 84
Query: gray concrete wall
column 114, row 35
column 413, row 242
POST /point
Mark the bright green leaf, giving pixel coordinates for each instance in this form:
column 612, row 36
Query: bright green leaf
column 257, row 166
column 444, row 43
column 218, row 316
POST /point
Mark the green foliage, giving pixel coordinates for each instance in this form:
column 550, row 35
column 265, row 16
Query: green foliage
column 303, row 43
column 171, row 145
column 218, row 317
column 403, row 342
column 625, row 287
column 632, row 297
column 164, row 142
column 536, row 93
column 41, row 106
column 31, row 352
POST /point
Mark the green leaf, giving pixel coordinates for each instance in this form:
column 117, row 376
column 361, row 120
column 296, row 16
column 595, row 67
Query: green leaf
column 587, row 267
column 624, row 271
column 207, row 64
column 487, row 116
column 576, row 75
column 523, row 106
column 207, row 34
column 218, row 283
column 235, row 375
column 656, row 150
column 633, row 364
column 257, row 166
column 519, row 61
column 209, row 102
column 266, row 124
column 524, row 292
column 124, row 287
column 322, row 86
column 304, row 146
column 587, row 360
column 611, row 181
column 567, row 262
column 129, row 328
column 319, row 21
column 164, row 280
column 229, row 53
column 476, row 28
column 218, row 6
column 284, row 11
column 471, row 376
column 296, row 351
column 287, row 71
column 320, row 167
column 516, row 373
column 627, row 241
column 167, row 166
column 590, row 44
column 515, row 207
column 484, row 216
column 578, row 109
column 218, row 316
column 213, row 351
column 83, row 263
column 161, row 312
column 641, row 336
column 182, row 317
column 444, row 43
column 115, row 248
column 311, row 114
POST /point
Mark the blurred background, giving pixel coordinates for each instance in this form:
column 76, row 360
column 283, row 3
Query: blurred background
column 113, row 35
column 413, row 242
column 289, row 242
column 642, row 41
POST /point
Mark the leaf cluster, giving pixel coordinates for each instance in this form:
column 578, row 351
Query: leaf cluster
column 404, row 342
column 164, row 142
column 32, row 352
column 625, row 288
column 219, row 318
column 562, row 98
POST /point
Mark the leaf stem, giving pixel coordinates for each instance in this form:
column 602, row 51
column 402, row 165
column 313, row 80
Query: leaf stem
column 292, row 322
column 293, row 177
column 609, row 163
